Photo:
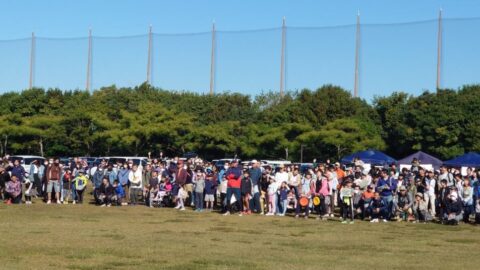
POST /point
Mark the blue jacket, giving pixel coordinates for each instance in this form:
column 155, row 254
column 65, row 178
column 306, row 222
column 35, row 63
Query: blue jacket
column 119, row 191
column 255, row 175
column 123, row 176
column 384, row 191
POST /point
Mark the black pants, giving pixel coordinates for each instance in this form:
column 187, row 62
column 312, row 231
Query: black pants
column 80, row 196
column 15, row 200
column 347, row 210
column 37, row 185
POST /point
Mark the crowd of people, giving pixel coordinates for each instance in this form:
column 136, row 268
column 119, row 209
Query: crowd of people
column 324, row 190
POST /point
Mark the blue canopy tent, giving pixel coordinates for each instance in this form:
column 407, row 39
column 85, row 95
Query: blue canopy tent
column 468, row 160
column 370, row 157
column 423, row 157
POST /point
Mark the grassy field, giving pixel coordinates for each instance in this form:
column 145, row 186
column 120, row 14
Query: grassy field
column 43, row 236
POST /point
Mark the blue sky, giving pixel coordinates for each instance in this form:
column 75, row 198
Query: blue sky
column 394, row 57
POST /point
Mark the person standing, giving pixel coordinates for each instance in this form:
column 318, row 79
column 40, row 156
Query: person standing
column 429, row 195
column 256, row 175
column 54, row 173
column 386, row 186
column 135, row 179
column 233, row 176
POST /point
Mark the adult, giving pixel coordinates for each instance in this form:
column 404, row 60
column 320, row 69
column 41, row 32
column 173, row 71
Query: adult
column 105, row 193
column 34, row 176
column 13, row 190
column 18, row 171
column 233, row 176
column 429, row 194
column 386, row 186
column 255, row 175
column 54, row 173
column 4, row 178
column 446, row 175
column 135, row 179
column 403, row 204
column 123, row 177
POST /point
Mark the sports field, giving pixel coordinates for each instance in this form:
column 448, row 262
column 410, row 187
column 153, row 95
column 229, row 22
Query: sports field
column 43, row 236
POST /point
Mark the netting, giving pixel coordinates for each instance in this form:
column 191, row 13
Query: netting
column 60, row 63
column 318, row 56
column 181, row 62
column 400, row 57
column 392, row 57
column 248, row 61
column 461, row 52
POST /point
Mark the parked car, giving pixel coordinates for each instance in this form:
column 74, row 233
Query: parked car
column 136, row 160
column 25, row 160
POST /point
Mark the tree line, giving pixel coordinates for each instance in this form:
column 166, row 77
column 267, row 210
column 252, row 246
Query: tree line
column 321, row 124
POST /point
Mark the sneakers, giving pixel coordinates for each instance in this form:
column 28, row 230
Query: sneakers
column 182, row 209
column 240, row 215
column 344, row 222
column 269, row 214
column 177, row 207
column 49, row 202
column 296, row 216
column 74, row 202
column 375, row 220
column 226, row 213
column 109, row 205
column 352, row 222
column 332, row 215
column 28, row 202
column 58, row 202
column 103, row 205
column 305, row 217
column 384, row 220
column 65, row 202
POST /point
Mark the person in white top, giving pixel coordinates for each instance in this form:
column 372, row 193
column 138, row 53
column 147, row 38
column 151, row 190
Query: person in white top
column 281, row 176
column 135, row 179
column 429, row 195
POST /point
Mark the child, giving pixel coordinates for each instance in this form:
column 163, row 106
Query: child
column 283, row 194
column 346, row 194
column 199, row 188
column 246, row 191
column 210, row 189
column 377, row 208
column 367, row 197
column 272, row 202
column 181, row 195
column 80, row 183
column 66, row 190
column 305, row 192
column 28, row 191
column 119, row 193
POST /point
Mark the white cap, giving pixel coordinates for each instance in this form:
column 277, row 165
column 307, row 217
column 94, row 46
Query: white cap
column 254, row 161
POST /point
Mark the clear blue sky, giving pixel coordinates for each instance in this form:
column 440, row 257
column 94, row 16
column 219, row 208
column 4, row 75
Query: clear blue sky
column 399, row 57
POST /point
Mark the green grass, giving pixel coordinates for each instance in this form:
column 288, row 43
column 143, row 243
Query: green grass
column 43, row 236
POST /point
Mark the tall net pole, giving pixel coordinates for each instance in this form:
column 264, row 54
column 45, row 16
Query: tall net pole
column 32, row 61
column 439, row 50
column 89, row 59
column 149, row 61
column 357, row 55
column 282, row 60
column 212, row 62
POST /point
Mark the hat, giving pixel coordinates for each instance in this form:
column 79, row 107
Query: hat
column 254, row 161
column 281, row 166
column 419, row 195
column 234, row 160
column 337, row 164
column 403, row 188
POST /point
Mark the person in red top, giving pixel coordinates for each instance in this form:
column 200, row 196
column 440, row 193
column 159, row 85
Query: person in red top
column 181, row 174
column 234, row 180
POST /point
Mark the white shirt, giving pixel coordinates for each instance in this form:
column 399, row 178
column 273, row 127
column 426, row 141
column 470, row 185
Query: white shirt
column 281, row 177
column 431, row 186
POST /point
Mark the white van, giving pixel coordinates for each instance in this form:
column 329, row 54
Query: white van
column 25, row 160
